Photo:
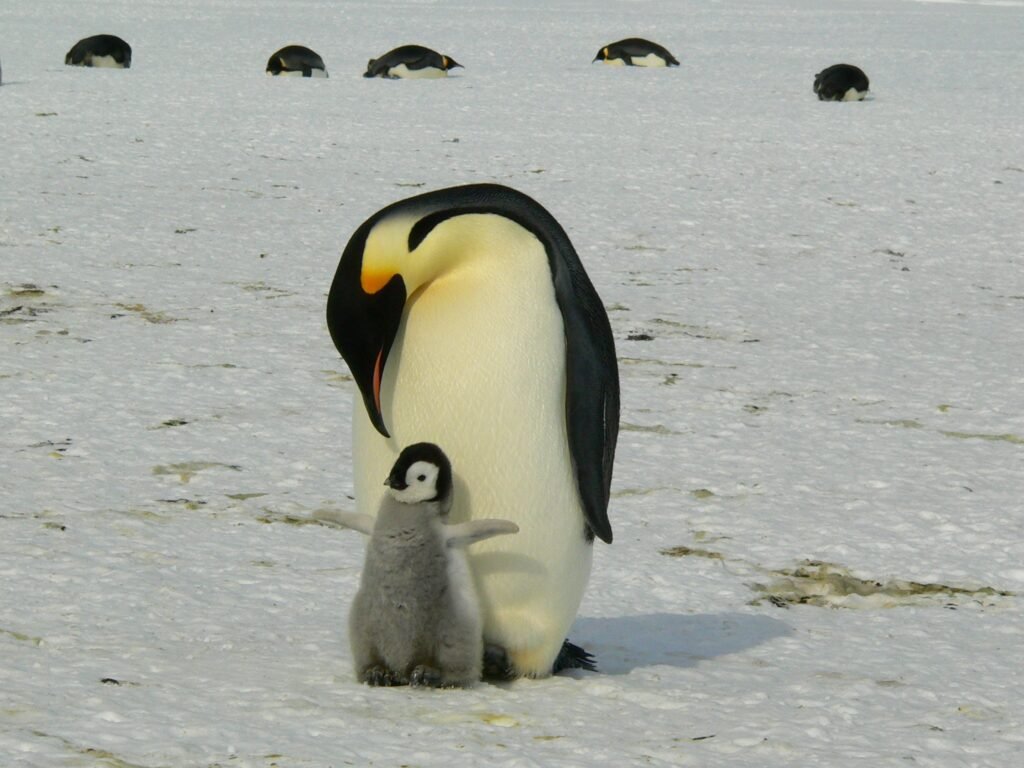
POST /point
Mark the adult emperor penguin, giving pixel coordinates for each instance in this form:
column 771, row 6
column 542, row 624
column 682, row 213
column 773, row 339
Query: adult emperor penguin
column 100, row 51
column 410, row 61
column 296, row 60
column 636, row 52
column 468, row 320
column 416, row 617
column 841, row 82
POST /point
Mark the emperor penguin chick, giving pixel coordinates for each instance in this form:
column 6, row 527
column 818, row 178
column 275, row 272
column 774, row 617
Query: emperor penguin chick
column 416, row 617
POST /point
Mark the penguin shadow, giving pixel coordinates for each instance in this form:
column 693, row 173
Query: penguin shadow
column 625, row 643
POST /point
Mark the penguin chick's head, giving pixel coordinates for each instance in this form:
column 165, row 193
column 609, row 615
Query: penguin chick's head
column 421, row 473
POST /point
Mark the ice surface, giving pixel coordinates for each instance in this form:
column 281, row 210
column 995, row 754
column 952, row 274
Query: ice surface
column 819, row 314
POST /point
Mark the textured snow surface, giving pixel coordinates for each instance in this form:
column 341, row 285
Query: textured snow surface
column 819, row 313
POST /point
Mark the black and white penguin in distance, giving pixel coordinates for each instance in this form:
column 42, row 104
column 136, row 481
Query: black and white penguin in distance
column 636, row 52
column 410, row 61
column 100, row 51
column 297, row 61
column 416, row 617
column 466, row 318
column 841, row 82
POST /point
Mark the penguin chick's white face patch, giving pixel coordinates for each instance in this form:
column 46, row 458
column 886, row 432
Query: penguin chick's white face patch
column 854, row 95
column 420, row 484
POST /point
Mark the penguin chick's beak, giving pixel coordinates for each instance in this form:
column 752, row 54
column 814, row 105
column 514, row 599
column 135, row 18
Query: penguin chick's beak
column 364, row 321
column 396, row 481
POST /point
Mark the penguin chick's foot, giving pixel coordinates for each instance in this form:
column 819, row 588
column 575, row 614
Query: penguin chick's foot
column 426, row 677
column 498, row 667
column 382, row 676
column 573, row 657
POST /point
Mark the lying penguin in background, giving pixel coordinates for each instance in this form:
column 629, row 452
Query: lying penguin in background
column 636, row 52
column 296, row 60
column 100, row 51
column 416, row 618
column 841, row 82
column 410, row 61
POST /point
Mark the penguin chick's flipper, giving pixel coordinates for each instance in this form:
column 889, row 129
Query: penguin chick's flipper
column 357, row 521
column 573, row 657
column 464, row 534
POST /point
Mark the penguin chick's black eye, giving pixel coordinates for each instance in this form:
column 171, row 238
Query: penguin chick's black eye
column 421, row 478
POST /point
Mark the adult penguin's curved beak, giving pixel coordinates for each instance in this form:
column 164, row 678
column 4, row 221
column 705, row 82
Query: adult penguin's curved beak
column 364, row 313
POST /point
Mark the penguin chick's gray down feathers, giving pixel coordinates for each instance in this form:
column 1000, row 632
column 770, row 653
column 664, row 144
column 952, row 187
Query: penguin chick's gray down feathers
column 416, row 617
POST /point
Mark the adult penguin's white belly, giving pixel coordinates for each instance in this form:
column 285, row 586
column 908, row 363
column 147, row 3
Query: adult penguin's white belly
column 478, row 367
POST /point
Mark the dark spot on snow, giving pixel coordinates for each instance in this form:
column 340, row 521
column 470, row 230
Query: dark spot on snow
column 26, row 290
column 189, row 504
column 1003, row 438
column 826, row 585
column 270, row 517
column 170, row 423
column 150, row 316
column 684, row 551
column 640, row 337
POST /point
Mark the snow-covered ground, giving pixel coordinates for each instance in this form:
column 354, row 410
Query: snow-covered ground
column 819, row 313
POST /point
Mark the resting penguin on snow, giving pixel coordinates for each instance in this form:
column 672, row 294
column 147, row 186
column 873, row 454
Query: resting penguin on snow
column 841, row 82
column 466, row 318
column 636, row 52
column 100, row 51
column 296, row 60
column 410, row 61
column 416, row 617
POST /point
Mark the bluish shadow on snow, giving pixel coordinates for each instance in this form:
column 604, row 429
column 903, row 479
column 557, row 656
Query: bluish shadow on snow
column 625, row 643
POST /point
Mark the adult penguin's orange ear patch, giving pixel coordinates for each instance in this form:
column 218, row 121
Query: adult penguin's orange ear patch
column 373, row 280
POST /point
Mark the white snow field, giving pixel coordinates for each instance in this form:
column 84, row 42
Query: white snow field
column 818, row 502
